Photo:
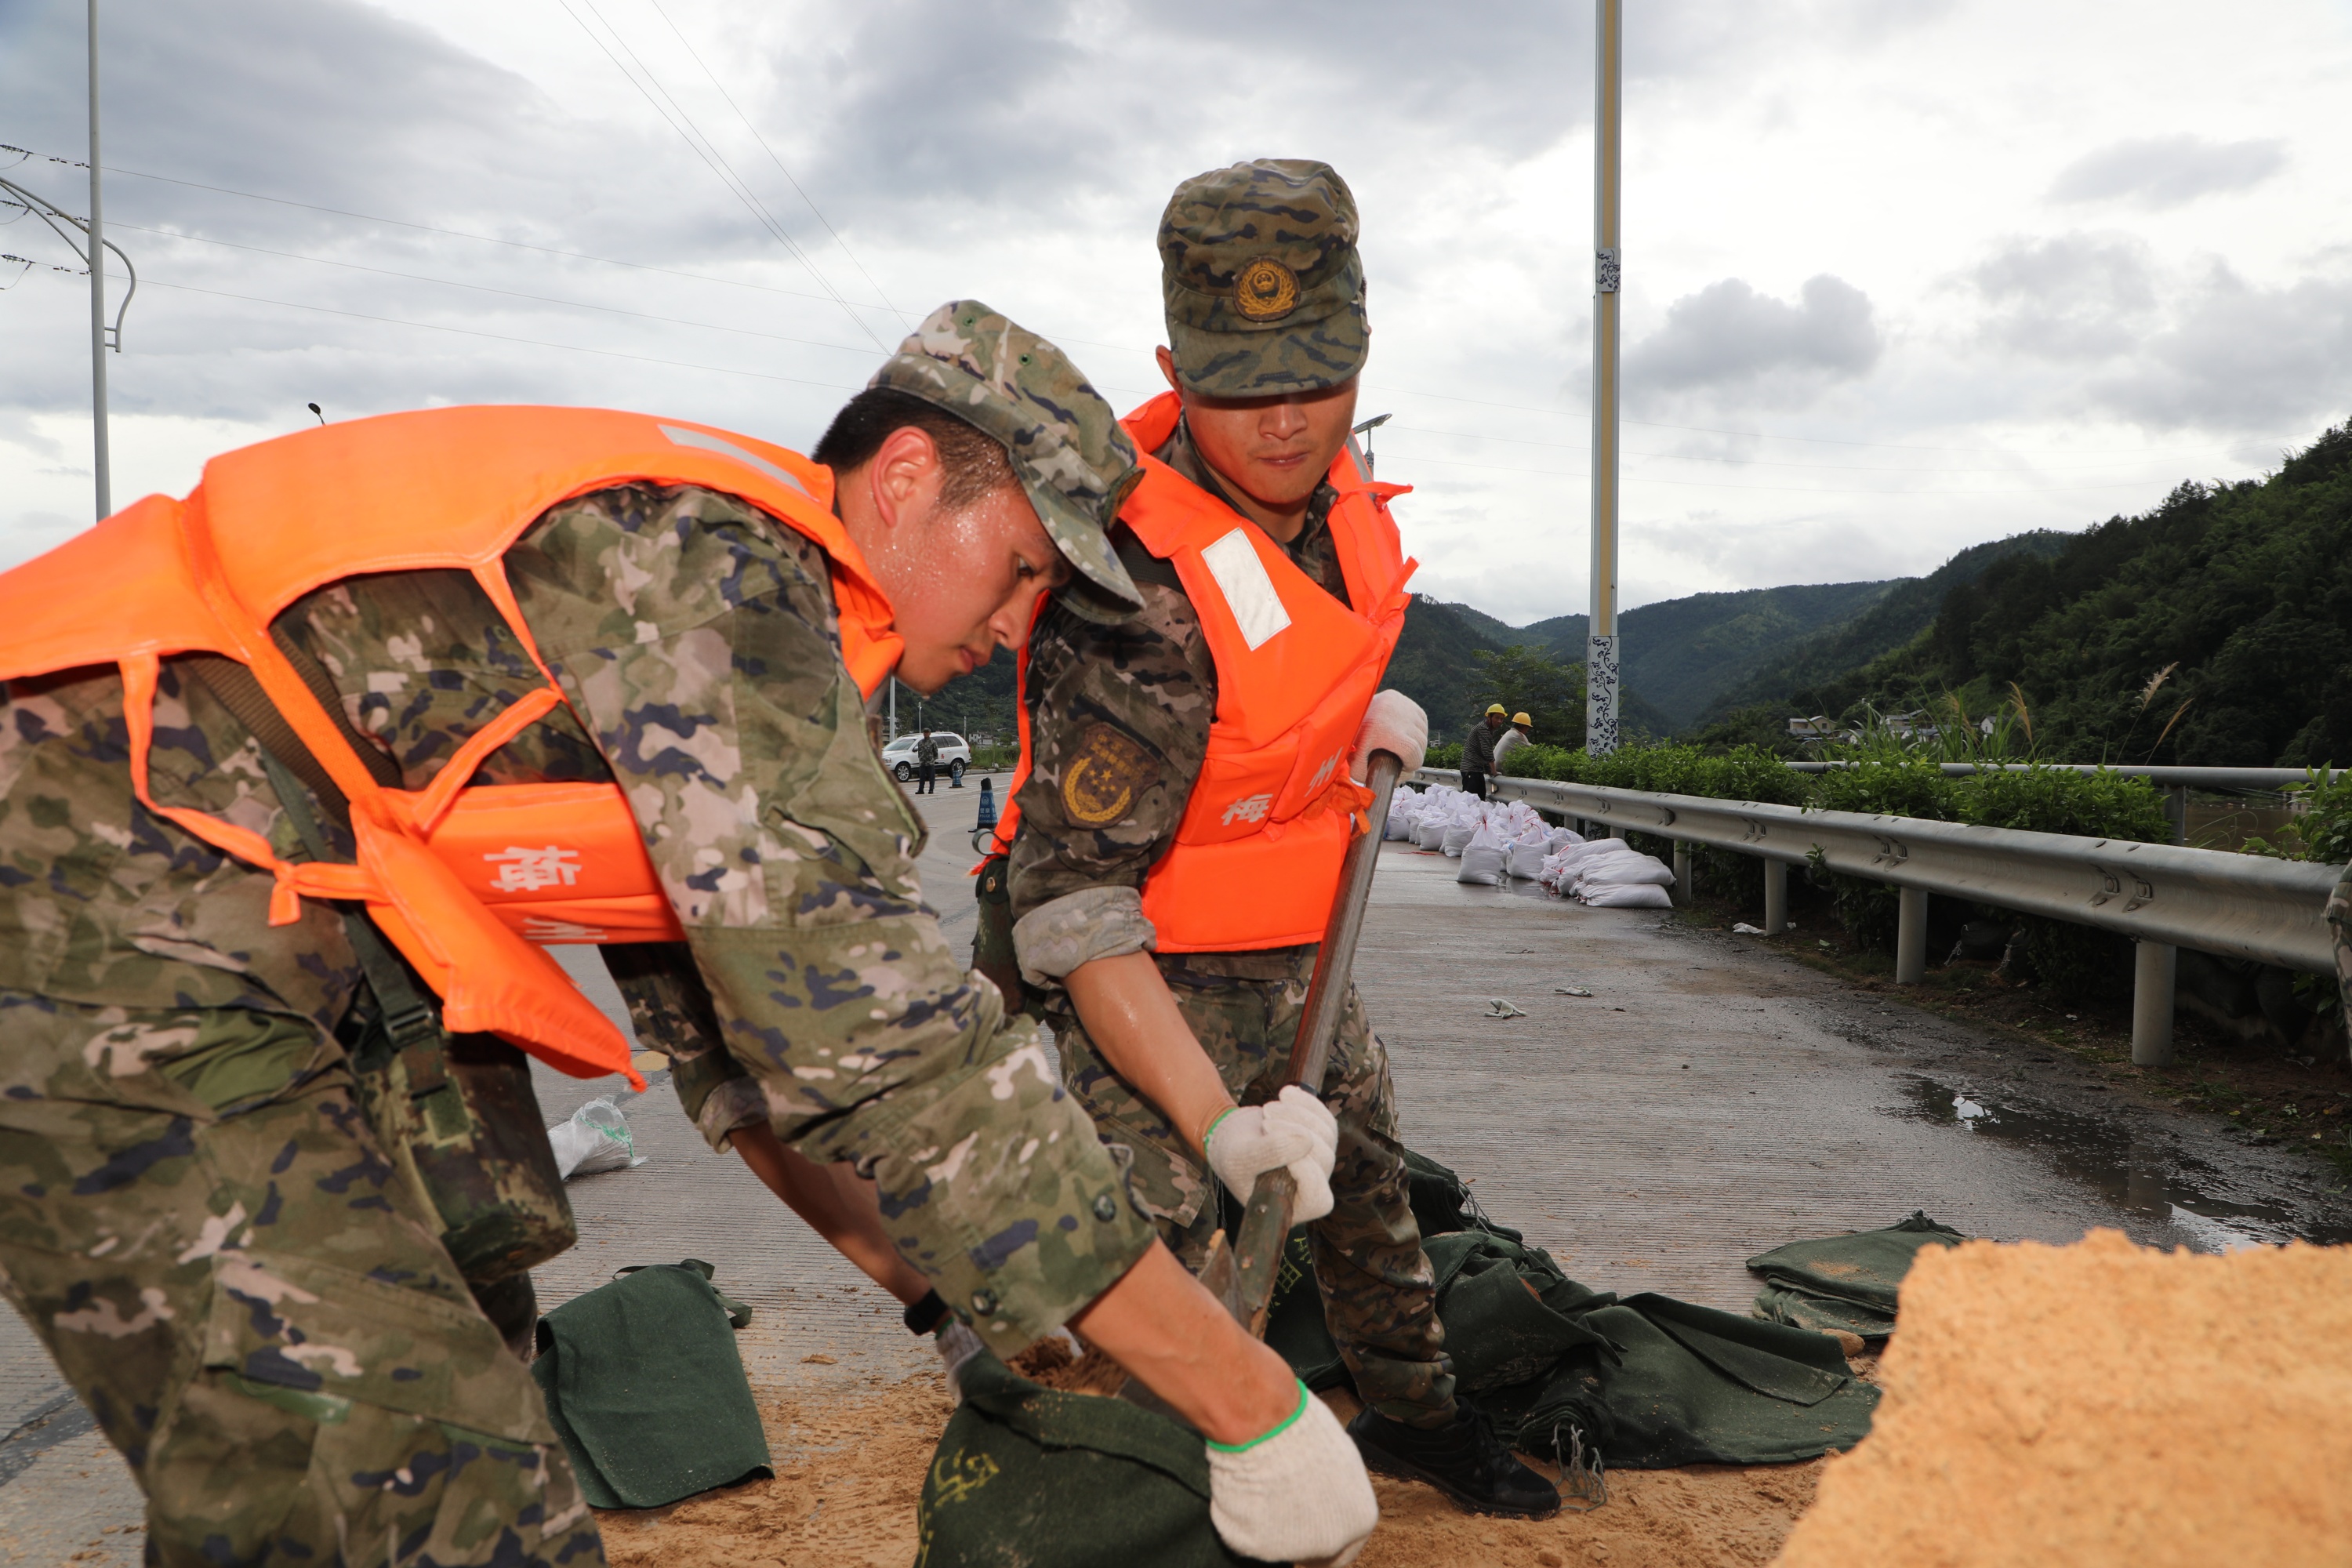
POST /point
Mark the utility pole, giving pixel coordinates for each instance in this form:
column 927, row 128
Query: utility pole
column 100, row 456
column 1600, row 640
column 894, row 709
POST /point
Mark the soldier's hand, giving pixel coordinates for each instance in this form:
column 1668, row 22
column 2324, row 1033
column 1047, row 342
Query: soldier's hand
column 1394, row 723
column 1299, row 1494
column 1296, row 1130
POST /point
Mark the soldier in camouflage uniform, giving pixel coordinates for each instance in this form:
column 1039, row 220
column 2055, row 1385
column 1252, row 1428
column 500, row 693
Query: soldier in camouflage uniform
column 197, row 1220
column 1136, row 697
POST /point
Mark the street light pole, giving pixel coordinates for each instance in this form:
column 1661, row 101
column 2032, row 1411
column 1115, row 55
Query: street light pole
column 99, row 454
column 1601, row 653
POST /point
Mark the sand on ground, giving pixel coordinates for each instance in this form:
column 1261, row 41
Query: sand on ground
column 850, row 1465
column 2104, row 1403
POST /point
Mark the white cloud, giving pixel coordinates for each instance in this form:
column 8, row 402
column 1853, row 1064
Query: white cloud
column 2167, row 170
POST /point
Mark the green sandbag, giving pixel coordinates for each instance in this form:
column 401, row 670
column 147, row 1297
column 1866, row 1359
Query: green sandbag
column 1028, row 1477
column 1442, row 1203
column 1654, row 1401
column 1649, row 1382
column 1848, row 1282
column 644, row 1385
column 1499, row 1332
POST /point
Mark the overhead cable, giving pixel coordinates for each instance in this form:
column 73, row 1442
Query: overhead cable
column 708, row 151
column 810, row 202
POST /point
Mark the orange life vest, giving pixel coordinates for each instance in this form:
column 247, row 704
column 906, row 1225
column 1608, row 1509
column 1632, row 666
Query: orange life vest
column 457, row 876
column 1257, row 857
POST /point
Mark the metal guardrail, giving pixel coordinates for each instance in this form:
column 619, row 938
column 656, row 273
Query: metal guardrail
column 2163, row 895
column 2161, row 777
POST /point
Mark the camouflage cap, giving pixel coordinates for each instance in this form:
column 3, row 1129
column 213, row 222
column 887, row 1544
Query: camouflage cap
column 1065, row 443
column 1263, row 287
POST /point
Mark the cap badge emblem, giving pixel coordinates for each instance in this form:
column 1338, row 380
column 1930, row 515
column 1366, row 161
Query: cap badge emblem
column 1265, row 289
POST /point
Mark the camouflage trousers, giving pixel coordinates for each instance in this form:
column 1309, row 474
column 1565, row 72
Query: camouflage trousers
column 1379, row 1292
column 260, row 1316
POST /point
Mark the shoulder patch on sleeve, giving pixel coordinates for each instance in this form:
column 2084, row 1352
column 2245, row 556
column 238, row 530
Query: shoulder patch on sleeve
column 1101, row 779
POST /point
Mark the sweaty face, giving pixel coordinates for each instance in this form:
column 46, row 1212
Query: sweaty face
column 1274, row 450
column 965, row 582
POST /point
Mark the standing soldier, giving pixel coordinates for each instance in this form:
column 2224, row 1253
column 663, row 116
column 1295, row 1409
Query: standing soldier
column 488, row 674
column 1478, row 750
column 1190, row 790
column 927, row 765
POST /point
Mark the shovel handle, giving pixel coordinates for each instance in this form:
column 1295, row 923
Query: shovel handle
column 1246, row 1272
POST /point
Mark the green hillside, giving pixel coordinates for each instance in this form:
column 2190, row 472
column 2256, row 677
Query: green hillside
column 2238, row 595
column 1906, row 608
column 1683, row 654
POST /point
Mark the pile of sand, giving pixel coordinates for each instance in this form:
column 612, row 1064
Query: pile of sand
column 2104, row 1403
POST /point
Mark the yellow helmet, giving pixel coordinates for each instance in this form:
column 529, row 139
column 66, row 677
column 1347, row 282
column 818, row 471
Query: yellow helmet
column 1494, row 708
column 1521, row 719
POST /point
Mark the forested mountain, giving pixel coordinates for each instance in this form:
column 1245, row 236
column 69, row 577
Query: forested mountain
column 1906, row 608
column 2214, row 630
column 1680, row 653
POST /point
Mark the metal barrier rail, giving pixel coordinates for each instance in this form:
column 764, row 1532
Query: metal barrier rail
column 2162, row 896
column 2216, row 779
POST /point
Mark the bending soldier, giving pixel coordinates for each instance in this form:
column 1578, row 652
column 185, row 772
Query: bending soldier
column 1189, row 789
column 498, row 673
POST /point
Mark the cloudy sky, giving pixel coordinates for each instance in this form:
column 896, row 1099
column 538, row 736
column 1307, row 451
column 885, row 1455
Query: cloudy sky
column 1901, row 275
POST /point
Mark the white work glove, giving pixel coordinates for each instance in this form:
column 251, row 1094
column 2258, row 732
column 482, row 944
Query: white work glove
column 1295, row 1130
column 1299, row 1494
column 956, row 1344
column 1394, row 723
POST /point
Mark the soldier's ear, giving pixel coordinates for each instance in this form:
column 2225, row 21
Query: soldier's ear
column 1168, row 369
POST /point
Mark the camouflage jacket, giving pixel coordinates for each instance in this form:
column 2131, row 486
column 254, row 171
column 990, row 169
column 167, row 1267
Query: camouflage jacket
column 1140, row 693
column 696, row 640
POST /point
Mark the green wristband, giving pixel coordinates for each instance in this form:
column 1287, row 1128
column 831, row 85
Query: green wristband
column 1292, row 1421
column 1214, row 1122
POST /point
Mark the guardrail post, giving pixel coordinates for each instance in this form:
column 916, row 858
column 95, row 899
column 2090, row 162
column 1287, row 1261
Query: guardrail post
column 1776, row 896
column 1682, row 871
column 1911, row 936
column 2155, row 973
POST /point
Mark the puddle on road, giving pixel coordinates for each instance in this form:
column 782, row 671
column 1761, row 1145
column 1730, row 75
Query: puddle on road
column 2133, row 1175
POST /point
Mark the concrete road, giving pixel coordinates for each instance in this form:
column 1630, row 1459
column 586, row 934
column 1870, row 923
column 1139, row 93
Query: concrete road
column 1712, row 1098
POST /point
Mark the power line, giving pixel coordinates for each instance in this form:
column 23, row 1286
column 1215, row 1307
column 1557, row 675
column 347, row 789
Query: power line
column 488, row 289
column 708, row 151
column 498, row 337
column 806, row 199
column 463, row 234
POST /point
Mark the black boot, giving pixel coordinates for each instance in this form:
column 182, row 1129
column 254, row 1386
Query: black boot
column 1466, row 1461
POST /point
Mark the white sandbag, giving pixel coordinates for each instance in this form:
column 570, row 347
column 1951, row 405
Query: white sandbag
column 1563, row 838
column 1630, row 896
column 1524, row 860
column 594, row 1138
column 1428, row 831
column 1484, row 863
column 1580, row 854
column 1458, row 838
column 1620, row 869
